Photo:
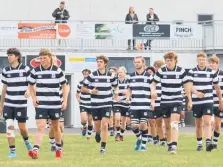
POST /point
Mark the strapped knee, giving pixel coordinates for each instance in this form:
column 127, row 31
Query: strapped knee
column 10, row 128
column 174, row 125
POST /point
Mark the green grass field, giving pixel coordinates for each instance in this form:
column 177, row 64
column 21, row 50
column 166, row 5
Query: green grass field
column 80, row 153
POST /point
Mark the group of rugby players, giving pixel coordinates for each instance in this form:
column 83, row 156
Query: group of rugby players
column 154, row 99
column 150, row 99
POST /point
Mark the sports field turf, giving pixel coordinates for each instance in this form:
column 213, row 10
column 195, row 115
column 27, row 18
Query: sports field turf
column 79, row 153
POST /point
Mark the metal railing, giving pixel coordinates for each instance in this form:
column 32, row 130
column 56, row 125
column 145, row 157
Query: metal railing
column 212, row 39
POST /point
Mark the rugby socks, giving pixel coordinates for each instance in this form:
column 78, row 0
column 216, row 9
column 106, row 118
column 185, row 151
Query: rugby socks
column 169, row 144
column 174, row 145
column 208, row 141
column 12, row 148
column 89, row 130
column 144, row 137
column 52, row 141
column 103, row 145
column 137, row 133
column 36, row 148
column 122, row 132
column 155, row 139
column 199, row 142
column 58, row 147
column 216, row 137
column 118, row 131
column 26, row 140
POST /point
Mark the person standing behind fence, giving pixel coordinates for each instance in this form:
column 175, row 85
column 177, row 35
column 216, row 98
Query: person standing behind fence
column 151, row 18
column 131, row 18
column 61, row 14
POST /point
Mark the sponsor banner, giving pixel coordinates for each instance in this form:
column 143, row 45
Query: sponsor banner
column 151, row 31
column 187, row 31
column 113, row 31
column 33, row 61
column 9, row 30
column 78, row 63
column 37, row 31
column 73, row 30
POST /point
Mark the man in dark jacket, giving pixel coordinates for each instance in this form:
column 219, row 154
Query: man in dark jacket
column 61, row 14
column 151, row 18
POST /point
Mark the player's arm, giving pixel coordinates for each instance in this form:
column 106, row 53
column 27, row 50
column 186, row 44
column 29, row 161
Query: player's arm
column 65, row 90
column 86, row 86
column 4, row 87
column 156, row 79
column 218, row 91
column 32, row 87
column 114, row 82
column 128, row 95
column 78, row 92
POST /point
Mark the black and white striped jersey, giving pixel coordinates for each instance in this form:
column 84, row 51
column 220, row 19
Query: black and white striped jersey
column 16, row 80
column 220, row 79
column 85, row 98
column 171, row 84
column 184, row 97
column 158, row 91
column 48, row 82
column 61, row 91
column 140, row 90
column 122, row 87
column 103, row 83
column 203, row 81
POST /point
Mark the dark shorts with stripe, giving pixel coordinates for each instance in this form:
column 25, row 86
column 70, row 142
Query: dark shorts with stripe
column 20, row 114
column 53, row 114
column 157, row 113
column 168, row 109
column 124, row 111
column 99, row 113
column 84, row 109
column 201, row 110
column 217, row 112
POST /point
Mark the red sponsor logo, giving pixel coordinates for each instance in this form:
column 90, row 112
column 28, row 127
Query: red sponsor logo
column 35, row 62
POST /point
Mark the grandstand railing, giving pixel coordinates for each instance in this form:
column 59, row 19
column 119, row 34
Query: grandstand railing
column 211, row 39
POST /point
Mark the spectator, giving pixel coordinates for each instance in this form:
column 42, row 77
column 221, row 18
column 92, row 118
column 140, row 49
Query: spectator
column 151, row 18
column 61, row 14
column 131, row 18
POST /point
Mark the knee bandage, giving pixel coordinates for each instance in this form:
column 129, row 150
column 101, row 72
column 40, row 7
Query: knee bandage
column 10, row 132
column 174, row 125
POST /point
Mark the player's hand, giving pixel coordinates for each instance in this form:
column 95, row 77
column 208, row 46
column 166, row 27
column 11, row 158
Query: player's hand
column 64, row 106
column 189, row 105
column 221, row 106
column 78, row 100
column 94, row 91
column 152, row 105
column 35, row 103
column 115, row 96
column 27, row 94
column 153, row 95
column 200, row 95
column 127, row 100
column 124, row 92
column 62, row 16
